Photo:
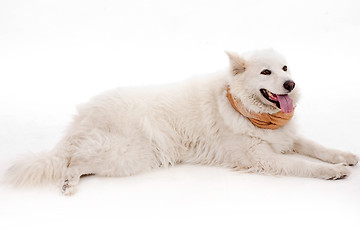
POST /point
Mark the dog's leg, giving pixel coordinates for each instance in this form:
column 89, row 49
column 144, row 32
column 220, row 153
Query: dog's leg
column 309, row 148
column 266, row 161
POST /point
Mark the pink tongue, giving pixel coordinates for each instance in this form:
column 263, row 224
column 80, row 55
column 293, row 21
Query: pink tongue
column 286, row 104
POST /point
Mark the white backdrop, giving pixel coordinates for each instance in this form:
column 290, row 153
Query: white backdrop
column 55, row 55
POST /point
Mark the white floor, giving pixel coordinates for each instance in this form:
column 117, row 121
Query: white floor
column 54, row 56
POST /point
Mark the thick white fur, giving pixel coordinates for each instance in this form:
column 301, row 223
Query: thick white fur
column 129, row 131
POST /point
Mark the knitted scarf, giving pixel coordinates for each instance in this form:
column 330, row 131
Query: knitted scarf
column 263, row 120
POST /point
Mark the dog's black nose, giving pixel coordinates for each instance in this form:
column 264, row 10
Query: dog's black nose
column 289, row 85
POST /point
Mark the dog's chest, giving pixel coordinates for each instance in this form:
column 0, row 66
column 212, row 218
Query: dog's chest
column 281, row 140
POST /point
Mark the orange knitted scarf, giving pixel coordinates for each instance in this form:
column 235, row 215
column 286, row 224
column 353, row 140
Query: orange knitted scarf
column 263, row 120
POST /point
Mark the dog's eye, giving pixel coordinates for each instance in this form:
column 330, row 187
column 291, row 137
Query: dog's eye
column 285, row 68
column 266, row 72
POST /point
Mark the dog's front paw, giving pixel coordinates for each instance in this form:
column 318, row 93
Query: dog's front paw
column 346, row 158
column 333, row 172
column 352, row 159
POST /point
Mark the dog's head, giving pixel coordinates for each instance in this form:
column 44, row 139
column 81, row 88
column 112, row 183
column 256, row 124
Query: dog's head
column 262, row 81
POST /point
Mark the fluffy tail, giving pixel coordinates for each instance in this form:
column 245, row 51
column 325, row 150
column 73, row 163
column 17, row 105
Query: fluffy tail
column 35, row 169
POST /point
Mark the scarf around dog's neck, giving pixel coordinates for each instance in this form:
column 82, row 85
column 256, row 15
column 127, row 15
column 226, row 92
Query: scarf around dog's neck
column 263, row 120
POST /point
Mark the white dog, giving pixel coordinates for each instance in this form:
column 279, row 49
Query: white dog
column 238, row 119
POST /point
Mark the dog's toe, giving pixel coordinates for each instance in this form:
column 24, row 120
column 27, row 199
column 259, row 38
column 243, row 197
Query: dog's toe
column 338, row 177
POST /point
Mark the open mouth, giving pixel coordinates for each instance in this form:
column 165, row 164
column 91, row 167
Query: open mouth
column 282, row 101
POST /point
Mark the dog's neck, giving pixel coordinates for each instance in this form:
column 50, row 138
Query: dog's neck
column 263, row 120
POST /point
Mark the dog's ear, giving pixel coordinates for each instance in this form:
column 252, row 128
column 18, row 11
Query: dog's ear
column 237, row 63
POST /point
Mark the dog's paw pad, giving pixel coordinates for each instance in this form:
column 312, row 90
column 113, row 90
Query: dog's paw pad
column 67, row 188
